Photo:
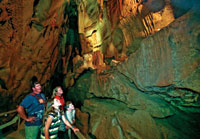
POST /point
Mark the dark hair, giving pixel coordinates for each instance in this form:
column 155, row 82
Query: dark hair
column 68, row 102
column 34, row 81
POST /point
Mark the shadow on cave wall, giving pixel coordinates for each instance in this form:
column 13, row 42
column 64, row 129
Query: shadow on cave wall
column 180, row 7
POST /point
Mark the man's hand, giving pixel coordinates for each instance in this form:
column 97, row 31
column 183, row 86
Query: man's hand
column 22, row 114
column 30, row 119
column 41, row 101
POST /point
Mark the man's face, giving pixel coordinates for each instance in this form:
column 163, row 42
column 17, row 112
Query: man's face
column 37, row 88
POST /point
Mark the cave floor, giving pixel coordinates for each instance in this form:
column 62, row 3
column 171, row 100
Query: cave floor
column 18, row 134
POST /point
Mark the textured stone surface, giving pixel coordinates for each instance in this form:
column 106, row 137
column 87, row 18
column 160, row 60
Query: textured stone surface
column 114, row 120
column 28, row 46
column 167, row 58
column 31, row 32
column 150, row 94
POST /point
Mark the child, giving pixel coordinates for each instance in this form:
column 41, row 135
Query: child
column 70, row 116
column 52, row 123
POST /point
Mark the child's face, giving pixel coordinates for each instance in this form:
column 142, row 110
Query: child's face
column 56, row 103
column 71, row 106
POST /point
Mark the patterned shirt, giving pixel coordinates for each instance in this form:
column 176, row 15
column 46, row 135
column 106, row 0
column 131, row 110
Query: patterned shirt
column 53, row 129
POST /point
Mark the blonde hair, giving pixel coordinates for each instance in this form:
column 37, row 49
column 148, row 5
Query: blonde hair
column 55, row 90
column 49, row 109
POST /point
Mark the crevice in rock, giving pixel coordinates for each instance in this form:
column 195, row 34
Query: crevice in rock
column 132, row 82
column 187, row 89
column 1, row 11
column 35, row 3
column 2, row 22
column 45, row 31
column 183, row 99
column 159, row 89
column 3, row 84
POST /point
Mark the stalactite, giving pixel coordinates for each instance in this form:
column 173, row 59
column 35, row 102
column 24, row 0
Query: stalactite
column 114, row 11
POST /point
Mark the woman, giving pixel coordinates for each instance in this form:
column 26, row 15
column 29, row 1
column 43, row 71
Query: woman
column 57, row 93
column 52, row 123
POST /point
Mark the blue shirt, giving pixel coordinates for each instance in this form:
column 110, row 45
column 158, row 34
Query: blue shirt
column 34, row 108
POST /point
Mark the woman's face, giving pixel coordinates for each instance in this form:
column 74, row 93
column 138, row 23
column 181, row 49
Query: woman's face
column 59, row 92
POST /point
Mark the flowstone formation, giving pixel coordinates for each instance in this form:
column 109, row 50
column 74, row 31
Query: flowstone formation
column 152, row 94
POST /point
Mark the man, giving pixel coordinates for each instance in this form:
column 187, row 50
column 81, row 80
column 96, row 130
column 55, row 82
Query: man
column 31, row 110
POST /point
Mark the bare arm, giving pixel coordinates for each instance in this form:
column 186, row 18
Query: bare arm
column 66, row 121
column 73, row 113
column 22, row 114
column 46, row 128
column 69, row 125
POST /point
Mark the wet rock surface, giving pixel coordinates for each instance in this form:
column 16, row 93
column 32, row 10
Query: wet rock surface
column 156, row 88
